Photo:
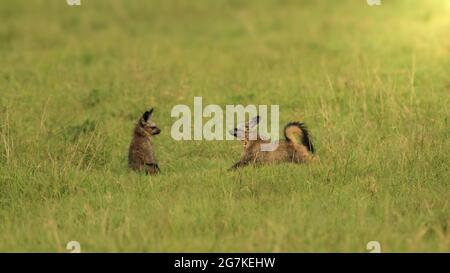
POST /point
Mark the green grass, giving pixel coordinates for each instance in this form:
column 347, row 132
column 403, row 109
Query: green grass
column 372, row 83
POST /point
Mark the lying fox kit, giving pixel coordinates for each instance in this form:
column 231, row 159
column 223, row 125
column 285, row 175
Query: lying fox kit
column 297, row 148
column 140, row 156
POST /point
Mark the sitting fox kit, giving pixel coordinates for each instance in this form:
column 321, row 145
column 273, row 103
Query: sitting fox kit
column 297, row 148
column 141, row 156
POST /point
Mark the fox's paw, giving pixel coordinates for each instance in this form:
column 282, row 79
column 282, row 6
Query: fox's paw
column 315, row 159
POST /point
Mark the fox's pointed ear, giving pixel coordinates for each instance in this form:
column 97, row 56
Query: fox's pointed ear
column 254, row 121
column 147, row 115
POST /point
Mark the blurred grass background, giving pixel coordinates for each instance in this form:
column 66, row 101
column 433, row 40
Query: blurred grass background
column 372, row 83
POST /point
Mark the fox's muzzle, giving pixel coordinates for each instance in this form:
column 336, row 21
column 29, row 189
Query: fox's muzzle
column 156, row 131
column 234, row 132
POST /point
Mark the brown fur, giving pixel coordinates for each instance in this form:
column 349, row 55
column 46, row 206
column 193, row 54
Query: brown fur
column 289, row 150
column 141, row 157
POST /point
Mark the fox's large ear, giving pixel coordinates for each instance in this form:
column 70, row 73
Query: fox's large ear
column 254, row 121
column 147, row 115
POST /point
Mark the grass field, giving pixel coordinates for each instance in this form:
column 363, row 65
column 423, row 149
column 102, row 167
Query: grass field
column 371, row 82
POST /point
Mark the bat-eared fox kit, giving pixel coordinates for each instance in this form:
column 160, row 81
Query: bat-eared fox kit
column 297, row 148
column 141, row 155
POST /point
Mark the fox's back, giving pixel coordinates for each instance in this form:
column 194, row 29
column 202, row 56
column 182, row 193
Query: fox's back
column 285, row 152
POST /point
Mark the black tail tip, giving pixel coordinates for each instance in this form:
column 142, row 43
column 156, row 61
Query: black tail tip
column 306, row 140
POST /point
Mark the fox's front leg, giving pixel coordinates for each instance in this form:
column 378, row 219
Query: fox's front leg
column 241, row 163
column 152, row 168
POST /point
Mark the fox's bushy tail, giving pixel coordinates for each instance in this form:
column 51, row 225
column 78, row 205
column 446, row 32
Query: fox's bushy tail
column 294, row 130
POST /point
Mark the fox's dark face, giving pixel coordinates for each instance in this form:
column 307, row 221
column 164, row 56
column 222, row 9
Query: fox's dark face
column 244, row 131
column 147, row 125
